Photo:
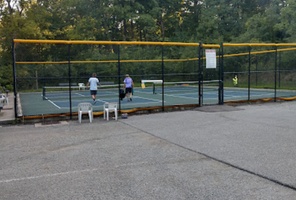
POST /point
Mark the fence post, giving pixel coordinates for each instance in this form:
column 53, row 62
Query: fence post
column 200, row 75
column 14, row 80
column 279, row 69
column 118, row 79
column 70, row 82
column 221, row 75
column 249, row 75
column 275, row 72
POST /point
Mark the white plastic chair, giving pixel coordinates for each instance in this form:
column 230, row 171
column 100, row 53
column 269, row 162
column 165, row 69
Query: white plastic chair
column 108, row 108
column 2, row 101
column 85, row 108
column 81, row 86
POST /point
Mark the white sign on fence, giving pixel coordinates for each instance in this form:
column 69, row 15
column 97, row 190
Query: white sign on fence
column 211, row 61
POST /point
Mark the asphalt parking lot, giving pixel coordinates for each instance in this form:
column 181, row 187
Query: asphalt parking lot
column 212, row 152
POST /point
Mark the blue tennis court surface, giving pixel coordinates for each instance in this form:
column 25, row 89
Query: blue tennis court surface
column 54, row 102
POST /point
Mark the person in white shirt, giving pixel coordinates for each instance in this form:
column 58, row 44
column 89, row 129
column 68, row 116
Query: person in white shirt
column 93, row 83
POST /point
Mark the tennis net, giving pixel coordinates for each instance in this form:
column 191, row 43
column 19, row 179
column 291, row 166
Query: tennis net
column 184, row 87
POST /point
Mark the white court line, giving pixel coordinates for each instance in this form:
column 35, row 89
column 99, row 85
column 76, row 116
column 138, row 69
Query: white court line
column 143, row 103
column 258, row 95
column 181, row 97
column 138, row 97
column 82, row 95
column 252, row 95
column 154, row 102
column 99, row 100
column 54, row 104
column 149, row 99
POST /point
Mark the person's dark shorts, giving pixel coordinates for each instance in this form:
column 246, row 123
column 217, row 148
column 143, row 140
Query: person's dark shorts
column 93, row 92
column 128, row 90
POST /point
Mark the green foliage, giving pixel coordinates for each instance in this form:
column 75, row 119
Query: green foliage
column 207, row 21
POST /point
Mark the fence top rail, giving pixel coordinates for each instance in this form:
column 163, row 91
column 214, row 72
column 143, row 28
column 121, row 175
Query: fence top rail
column 114, row 43
column 151, row 43
column 258, row 44
column 104, row 42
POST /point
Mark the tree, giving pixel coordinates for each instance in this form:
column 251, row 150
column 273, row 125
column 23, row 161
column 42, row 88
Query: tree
column 265, row 26
column 288, row 21
column 207, row 21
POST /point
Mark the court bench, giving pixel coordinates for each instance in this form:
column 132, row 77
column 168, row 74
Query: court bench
column 154, row 82
column 67, row 84
column 107, row 83
column 80, row 85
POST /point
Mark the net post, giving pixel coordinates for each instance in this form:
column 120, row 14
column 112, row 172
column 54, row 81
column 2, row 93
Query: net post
column 43, row 93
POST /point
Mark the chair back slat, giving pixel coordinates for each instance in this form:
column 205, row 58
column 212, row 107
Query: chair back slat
column 110, row 105
column 84, row 107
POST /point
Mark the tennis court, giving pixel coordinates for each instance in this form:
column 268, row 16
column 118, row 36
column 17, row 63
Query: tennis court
column 263, row 80
column 57, row 100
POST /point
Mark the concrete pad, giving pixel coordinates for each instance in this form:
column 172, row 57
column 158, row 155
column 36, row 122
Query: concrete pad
column 243, row 154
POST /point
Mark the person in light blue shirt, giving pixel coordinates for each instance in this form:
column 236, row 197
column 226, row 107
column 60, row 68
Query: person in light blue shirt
column 93, row 83
column 128, row 85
